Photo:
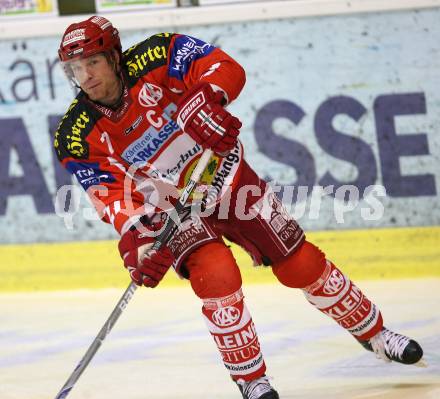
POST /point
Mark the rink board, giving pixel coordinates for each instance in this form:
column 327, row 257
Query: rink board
column 363, row 254
column 357, row 107
column 160, row 347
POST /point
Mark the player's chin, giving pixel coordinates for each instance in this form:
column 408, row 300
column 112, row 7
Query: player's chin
column 94, row 91
column 95, row 95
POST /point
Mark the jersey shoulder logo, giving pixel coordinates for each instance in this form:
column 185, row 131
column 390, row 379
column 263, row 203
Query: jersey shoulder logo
column 89, row 173
column 145, row 56
column 185, row 51
column 75, row 126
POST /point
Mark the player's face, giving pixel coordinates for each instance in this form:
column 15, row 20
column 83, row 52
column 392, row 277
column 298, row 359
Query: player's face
column 97, row 77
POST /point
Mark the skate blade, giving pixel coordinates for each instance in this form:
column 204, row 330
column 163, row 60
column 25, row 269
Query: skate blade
column 421, row 363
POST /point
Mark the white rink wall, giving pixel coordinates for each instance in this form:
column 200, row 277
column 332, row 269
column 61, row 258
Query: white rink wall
column 337, row 94
column 246, row 10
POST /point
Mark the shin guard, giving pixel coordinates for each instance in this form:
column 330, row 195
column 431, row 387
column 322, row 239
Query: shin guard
column 336, row 296
column 233, row 330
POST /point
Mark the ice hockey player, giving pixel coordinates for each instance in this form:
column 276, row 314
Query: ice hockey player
column 147, row 114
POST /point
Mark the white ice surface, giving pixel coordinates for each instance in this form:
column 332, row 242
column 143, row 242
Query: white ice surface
column 160, row 347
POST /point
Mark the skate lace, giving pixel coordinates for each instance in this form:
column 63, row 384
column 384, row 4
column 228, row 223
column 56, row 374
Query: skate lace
column 388, row 344
column 256, row 388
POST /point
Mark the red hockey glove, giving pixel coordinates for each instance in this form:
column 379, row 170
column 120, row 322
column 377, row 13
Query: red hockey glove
column 146, row 266
column 200, row 114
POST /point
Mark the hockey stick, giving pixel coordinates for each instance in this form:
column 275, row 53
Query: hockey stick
column 128, row 294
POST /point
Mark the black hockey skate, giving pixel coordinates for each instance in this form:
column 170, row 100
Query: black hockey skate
column 390, row 346
column 259, row 388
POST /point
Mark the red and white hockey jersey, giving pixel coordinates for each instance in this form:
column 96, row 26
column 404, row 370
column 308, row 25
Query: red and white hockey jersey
column 115, row 153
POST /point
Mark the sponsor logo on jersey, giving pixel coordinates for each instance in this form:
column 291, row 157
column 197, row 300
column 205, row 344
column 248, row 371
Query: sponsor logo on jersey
column 186, row 50
column 282, row 223
column 205, row 180
column 135, row 124
column 226, row 169
column 182, row 159
column 89, row 174
column 138, row 45
column 227, row 316
column 148, row 144
column 150, row 95
column 191, row 232
column 74, row 141
column 151, row 57
column 75, row 35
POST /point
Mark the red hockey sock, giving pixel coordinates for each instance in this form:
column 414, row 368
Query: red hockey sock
column 231, row 325
column 215, row 278
column 336, row 296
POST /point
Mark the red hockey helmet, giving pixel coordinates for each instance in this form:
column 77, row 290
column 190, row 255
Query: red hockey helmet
column 89, row 37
